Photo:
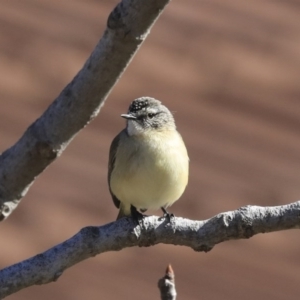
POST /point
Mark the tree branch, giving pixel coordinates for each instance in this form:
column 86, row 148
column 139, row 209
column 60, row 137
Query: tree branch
column 127, row 27
column 198, row 235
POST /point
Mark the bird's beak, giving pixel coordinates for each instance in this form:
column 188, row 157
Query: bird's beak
column 128, row 117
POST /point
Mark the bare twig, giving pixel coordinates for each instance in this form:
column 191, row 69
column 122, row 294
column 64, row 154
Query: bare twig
column 166, row 285
column 127, row 27
column 198, row 235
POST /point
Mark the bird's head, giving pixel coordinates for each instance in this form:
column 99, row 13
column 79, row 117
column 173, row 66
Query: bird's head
column 147, row 114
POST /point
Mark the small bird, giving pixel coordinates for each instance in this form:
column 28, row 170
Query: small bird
column 148, row 161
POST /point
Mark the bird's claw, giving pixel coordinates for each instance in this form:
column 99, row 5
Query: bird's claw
column 136, row 215
column 168, row 216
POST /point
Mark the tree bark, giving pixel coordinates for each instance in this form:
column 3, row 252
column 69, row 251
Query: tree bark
column 80, row 101
column 198, row 235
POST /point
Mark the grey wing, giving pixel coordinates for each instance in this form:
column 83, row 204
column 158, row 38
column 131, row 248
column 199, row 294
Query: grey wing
column 111, row 164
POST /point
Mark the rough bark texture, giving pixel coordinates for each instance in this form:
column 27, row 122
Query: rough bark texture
column 127, row 27
column 198, row 235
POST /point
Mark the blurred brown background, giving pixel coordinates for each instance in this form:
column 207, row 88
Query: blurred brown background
column 230, row 71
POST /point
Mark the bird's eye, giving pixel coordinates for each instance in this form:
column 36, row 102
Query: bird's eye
column 150, row 116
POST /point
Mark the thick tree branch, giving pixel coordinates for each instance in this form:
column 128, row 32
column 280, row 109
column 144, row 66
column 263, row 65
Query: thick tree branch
column 198, row 235
column 127, row 27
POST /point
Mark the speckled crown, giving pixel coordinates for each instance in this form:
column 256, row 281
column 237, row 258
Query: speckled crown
column 142, row 103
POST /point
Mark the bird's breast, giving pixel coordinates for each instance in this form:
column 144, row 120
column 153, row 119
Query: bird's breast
column 151, row 170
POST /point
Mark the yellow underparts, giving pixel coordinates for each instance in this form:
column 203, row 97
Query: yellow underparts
column 153, row 171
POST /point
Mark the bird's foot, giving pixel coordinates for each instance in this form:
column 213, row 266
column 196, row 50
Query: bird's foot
column 136, row 215
column 168, row 216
